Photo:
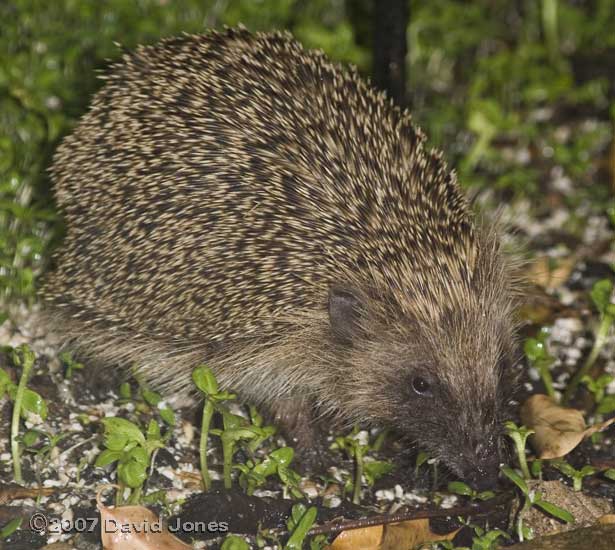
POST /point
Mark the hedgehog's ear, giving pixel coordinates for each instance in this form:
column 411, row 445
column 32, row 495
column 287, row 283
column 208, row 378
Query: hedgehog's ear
column 344, row 312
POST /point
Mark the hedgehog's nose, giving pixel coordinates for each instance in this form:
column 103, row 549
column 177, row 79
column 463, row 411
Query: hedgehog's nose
column 481, row 480
column 483, row 473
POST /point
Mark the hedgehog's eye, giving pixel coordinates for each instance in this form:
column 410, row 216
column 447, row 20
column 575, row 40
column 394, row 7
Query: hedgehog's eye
column 421, row 386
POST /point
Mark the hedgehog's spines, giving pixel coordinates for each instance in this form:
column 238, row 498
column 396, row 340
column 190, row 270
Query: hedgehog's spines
column 220, row 185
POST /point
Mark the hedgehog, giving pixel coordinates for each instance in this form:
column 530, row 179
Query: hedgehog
column 235, row 200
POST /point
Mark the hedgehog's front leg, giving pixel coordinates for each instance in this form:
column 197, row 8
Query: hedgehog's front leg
column 296, row 419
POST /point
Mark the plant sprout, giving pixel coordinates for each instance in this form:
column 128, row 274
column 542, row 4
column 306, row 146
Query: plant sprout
column 206, row 382
column 537, row 353
column 533, row 498
column 519, row 435
column 575, row 475
column 132, row 450
column 463, row 489
column 356, row 449
column 25, row 401
column 601, row 294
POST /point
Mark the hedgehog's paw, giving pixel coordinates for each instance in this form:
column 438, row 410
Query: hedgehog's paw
column 296, row 420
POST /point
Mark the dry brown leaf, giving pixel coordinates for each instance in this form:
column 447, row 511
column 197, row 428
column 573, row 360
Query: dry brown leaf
column 607, row 518
column 542, row 273
column 366, row 538
column 393, row 536
column 557, row 429
column 409, row 534
column 134, row 528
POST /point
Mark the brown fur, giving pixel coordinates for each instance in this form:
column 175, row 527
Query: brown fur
column 216, row 191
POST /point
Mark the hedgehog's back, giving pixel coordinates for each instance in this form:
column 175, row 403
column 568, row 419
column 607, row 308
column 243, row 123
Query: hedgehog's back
column 219, row 181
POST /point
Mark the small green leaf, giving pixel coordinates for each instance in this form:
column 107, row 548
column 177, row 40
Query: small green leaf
column 607, row 405
column 132, row 473
column 536, row 467
column 153, row 430
column 168, row 415
column 34, row 403
column 610, row 473
column 421, row 458
column 302, row 524
column 5, row 381
column 283, row 456
column 30, row 438
column 234, row 542
column 107, row 457
column 515, row 478
column 23, row 356
column 138, row 454
column 460, row 488
column 204, row 379
column 554, row 510
column 120, row 426
column 115, row 441
column 535, row 350
column 10, row 528
column 151, row 397
column 375, row 469
column 601, row 294
column 125, row 392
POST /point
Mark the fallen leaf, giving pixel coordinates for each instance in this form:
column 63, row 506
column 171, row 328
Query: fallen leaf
column 393, row 536
column 607, row 518
column 557, row 429
column 547, row 273
column 366, row 538
column 134, row 528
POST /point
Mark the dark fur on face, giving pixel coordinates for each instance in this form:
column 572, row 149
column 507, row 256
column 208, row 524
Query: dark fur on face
column 445, row 378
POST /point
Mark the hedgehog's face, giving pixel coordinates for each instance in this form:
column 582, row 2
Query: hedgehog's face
column 444, row 386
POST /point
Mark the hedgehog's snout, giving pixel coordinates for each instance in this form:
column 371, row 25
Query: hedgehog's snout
column 480, row 465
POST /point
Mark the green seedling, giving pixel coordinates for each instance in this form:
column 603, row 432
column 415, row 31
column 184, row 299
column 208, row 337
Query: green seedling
column 146, row 400
column 610, row 474
column 25, row 402
column 235, row 431
column 263, row 432
column 533, row 498
column 206, row 382
column 600, row 294
column 575, row 475
column 487, row 540
column 536, row 468
column 70, row 364
column 482, row 540
column 31, row 440
column 598, row 386
column 421, row 458
column 354, row 449
column 519, row 435
column 125, row 391
column 132, row 450
column 255, row 472
column 10, row 528
column 538, row 355
column 463, row 489
column 605, row 404
column 299, row 523
column 154, row 400
column 234, row 542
